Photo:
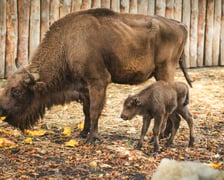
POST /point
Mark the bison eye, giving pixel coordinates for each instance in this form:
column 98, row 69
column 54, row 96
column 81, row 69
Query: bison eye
column 15, row 92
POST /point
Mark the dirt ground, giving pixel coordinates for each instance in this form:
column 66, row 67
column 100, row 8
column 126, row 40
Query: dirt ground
column 47, row 156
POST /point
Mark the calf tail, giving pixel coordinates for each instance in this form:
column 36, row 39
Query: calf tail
column 186, row 102
column 184, row 69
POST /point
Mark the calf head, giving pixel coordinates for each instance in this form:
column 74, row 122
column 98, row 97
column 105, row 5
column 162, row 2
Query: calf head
column 19, row 102
column 130, row 107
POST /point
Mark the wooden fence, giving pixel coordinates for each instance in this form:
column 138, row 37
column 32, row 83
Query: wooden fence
column 24, row 22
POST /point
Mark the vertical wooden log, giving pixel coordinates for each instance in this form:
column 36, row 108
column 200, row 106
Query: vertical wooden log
column 133, row 7
column 143, row 7
column 76, row 5
column 124, row 6
column 151, row 7
column 2, row 37
column 65, row 8
column 23, row 31
column 161, row 7
column 54, row 11
column 216, row 32
column 45, row 14
column 169, row 9
column 34, row 26
column 105, row 4
column 86, row 4
column 11, row 35
column 115, row 5
column 209, row 33
column 222, row 37
column 186, row 20
column 95, row 3
column 193, row 33
column 201, row 31
column 177, row 13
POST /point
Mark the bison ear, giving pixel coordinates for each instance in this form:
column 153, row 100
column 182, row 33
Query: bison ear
column 137, row 101
column 39, row 87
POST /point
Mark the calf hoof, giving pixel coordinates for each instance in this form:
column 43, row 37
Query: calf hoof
column 92, row 140
column 138, row 146
column 168, row 144
column 191, row 143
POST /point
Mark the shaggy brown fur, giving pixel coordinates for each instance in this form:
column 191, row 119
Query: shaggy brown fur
column 83, row 52
column 159, row 101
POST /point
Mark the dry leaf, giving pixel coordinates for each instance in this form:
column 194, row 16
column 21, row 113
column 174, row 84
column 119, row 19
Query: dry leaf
column 214, row 165
column 28, row 141
column 71, row 143
column 81, row 125
column 67, row 131
column 35, row 133
column 3, row 118
column 93, row 163
column 7, row 142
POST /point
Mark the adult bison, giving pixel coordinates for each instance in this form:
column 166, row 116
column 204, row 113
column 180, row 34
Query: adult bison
column 82, row 53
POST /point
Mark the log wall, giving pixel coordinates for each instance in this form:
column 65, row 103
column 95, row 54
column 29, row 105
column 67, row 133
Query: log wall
column 23, row 24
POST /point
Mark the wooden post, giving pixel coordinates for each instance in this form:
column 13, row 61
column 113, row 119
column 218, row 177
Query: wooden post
column 124, row 6
column 2, row 37
column 86, row 4
column 105, row 4
column 151, row 7
column 115, row 5
column 11, row 35
column 143, row 7
column 193, row 33
column 65, row 8
column 201, row 31
column 133, row 7
column 169, row 9
column 23, row 31
column 76, row 5
column 177, row 13
column 54, row 11
column 95, row 3
column 209, row 33
column 45, row 13
column 222, row 37
column 186, row 20
column 216, row 32
column 161, row 7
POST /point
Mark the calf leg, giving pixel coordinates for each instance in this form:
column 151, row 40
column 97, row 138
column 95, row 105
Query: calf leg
column 185, row 113
column 175, row 119
column 145, row 126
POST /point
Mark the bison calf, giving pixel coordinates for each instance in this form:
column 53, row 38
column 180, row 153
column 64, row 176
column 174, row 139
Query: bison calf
column 159, row 101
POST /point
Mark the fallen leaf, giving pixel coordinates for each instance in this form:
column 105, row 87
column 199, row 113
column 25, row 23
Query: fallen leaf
column 67, row 131
column 28, row 141
column 81, row 125
column 213, row 165
column 3, row 118
column 35, row 133
column 4, row 142
column 93, row 163
column 71, row 143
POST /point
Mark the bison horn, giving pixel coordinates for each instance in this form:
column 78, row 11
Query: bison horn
column 32, row 79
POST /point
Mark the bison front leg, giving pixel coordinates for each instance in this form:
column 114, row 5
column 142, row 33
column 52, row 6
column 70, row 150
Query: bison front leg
column 86, row 108
column 97, row 92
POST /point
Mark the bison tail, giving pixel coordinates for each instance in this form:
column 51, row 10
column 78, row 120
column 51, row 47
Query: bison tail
column 184, row 69
column 186, row 102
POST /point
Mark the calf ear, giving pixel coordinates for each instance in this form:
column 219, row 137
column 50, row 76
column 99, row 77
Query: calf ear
column 137, row 101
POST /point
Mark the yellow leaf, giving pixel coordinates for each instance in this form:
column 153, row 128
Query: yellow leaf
column 1, row 142
column 93, row 163
column 7, row 142
column 3, row 118
column 71, row 143
column 35, row 133
column 14, row 132
column 81, row 125
column 214, row 165
column 67, row 131
column 28, row 141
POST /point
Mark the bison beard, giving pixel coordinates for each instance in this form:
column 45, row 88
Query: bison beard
column 85, row 51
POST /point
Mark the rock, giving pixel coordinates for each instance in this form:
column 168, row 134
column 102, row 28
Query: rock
column 186, row 170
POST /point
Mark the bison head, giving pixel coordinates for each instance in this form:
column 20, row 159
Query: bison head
column 19, row 100
column 130, row 108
